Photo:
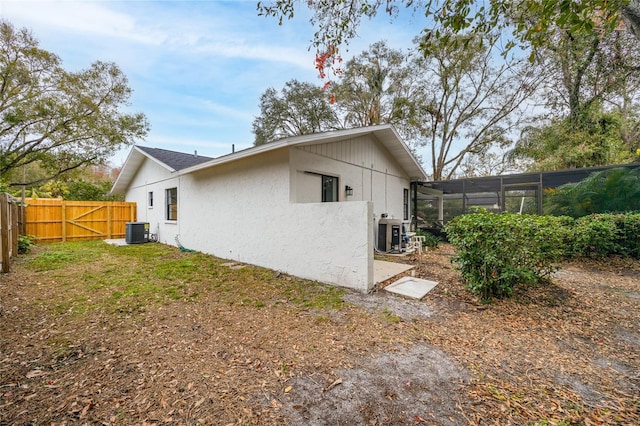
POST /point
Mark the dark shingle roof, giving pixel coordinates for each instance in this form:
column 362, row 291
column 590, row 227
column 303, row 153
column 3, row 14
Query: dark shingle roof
column 173, row 159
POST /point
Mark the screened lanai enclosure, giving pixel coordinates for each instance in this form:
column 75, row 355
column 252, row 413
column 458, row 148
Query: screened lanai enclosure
column 437, row 202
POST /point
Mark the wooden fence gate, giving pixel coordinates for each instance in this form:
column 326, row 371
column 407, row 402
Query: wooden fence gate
column 51, row 220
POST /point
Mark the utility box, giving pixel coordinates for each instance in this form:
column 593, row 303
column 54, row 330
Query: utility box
column 391, row 235
column 136, row 232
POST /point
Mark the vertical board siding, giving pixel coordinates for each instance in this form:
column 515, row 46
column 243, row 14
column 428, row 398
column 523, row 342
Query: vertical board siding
column 53, row 220
column 362, row 151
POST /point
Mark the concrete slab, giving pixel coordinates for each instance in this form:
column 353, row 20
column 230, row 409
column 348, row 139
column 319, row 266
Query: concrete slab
column 116, row 242
column 415, row 288
column 383, row 270
column 234, row 265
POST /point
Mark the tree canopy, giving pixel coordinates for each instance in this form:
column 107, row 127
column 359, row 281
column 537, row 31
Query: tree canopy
column 381, row 86
column 459, row 101
column 372, row 84
column 299, row 109
column 590, row 95
column 523, row 23
column 58, row 119
column 455, row 103
column 561, row 145
column 469, row 105
column 588, row 70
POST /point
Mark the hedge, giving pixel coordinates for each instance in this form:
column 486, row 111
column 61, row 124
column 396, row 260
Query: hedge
column 497, row 252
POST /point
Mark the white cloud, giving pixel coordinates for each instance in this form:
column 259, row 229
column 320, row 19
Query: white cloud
column 197, row 68
column 261, row 52
column 156, row 25
column 87, row 18
column 224, row 110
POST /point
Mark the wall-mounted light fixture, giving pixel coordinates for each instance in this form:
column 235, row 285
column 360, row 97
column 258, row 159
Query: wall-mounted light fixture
column 348, row 190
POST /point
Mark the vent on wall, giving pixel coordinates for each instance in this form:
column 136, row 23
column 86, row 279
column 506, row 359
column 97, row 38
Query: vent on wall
column 137, row 232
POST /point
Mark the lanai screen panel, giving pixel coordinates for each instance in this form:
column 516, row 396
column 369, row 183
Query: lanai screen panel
column 518, row 193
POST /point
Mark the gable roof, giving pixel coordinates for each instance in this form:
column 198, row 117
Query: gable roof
column 174, row 160
column 385, row 133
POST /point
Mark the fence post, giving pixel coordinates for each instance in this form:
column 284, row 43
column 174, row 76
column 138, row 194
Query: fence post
column 22, row 218
column 109, row 221
column 4, row 233
column 63, row 206
column 15, row 230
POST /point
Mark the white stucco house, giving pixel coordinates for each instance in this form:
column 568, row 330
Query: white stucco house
column 305, row 205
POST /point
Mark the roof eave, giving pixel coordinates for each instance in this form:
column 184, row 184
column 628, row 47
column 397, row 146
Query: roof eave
column 235, row 156
column 411, row 166
column 413, row 169
column 129, row 169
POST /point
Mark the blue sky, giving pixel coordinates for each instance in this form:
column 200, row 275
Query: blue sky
column 197, row 68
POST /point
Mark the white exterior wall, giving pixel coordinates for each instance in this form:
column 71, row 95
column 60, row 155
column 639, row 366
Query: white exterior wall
column 265, row 209
column 153, row 177
column 241, row 211
column 361, row 163
column 336, row 244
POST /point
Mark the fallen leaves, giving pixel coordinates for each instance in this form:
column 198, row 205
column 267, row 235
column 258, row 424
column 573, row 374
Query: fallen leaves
column 564, row 351
column 35, row 373
column 539, row 355
column 333, row 384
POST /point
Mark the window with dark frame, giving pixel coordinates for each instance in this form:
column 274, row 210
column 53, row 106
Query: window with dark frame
column 405, row 205
column 150, row 204
column 172, row 203
column 329, row 189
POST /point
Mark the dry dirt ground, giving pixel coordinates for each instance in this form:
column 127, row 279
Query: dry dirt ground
column 566, row 352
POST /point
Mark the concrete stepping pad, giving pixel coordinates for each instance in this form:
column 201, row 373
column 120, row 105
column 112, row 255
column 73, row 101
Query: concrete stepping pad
column 416, row 288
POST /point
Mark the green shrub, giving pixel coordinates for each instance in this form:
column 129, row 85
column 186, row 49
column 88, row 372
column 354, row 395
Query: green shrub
column 595, row 236
column 496, row 252
column 602, row 235
column 430, row 241
column 25, row 242
column 629, row 235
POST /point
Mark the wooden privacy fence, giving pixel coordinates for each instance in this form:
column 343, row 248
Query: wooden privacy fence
column 51, row 220
column 11, row 218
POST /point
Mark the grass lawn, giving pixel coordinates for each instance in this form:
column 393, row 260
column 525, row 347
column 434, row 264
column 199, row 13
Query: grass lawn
column 146, row 334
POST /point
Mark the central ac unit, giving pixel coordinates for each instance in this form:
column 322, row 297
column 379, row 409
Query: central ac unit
column 137, row 232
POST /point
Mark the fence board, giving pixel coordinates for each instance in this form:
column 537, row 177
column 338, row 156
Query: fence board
column 5, row 245
column 10, row 213
column 15, row 229
column 53, row 220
